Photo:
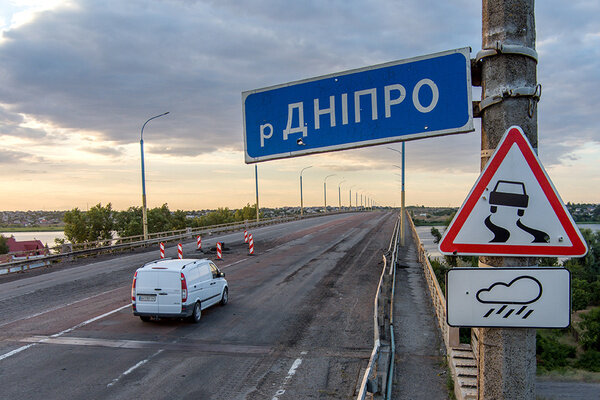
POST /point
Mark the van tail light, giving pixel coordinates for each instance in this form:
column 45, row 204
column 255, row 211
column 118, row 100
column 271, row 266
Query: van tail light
column 133, row 286
column 183, row 288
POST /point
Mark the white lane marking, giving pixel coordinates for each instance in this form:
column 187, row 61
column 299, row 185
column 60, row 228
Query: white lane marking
column 290, row 374
column 15, row 351
column 237, row 262
column 89, row 321
column 136, row 366
column 59, row 307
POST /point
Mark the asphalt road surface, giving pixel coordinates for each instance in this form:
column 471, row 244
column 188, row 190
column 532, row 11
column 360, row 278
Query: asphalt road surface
column 298, row 324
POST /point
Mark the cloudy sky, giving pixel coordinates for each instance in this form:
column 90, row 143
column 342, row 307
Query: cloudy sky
column 78, row 78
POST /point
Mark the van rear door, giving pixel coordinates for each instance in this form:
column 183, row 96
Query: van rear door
column 146, row 296
column 169, row 295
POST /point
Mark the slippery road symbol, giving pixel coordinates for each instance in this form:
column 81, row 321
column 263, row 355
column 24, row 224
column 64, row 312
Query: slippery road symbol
column 511, row 194
column 521, row 291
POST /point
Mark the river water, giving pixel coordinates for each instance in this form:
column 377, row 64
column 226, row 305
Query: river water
column 46, row 237
column 427, row 239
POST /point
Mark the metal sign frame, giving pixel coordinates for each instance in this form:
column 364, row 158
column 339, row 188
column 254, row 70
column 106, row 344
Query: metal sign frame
column 267, row 112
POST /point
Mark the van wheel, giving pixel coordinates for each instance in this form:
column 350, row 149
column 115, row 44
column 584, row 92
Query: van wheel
column 196, row 314
column 225, row 297
column 145, row 318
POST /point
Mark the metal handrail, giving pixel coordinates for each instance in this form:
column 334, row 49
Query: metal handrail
column 377, row 341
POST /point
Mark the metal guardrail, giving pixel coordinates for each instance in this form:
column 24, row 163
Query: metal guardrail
column 131, row 242
column 379, row 372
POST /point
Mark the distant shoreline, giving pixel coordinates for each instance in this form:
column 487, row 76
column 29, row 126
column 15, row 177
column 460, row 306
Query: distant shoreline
column 10, row 229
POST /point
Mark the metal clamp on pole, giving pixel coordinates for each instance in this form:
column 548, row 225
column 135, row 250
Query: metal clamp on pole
column 500, row 48
column 534, row 94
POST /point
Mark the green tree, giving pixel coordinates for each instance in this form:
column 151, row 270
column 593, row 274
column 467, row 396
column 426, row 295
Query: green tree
column 246, row 213
column 99, row 221
column 437, row 235
column 3, row 245
column 551, row 354
column 129, row 222
column 159, row 219
column 179, row 220
column 75, row 226
column 590, row 326
column 93, row 225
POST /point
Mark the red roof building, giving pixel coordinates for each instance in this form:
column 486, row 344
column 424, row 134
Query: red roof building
column 25, row 247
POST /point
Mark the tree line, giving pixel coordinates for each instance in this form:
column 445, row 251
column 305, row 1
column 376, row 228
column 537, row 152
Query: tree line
column 102, row 222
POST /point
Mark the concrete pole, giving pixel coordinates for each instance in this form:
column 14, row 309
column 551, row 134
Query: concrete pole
column 506, row 357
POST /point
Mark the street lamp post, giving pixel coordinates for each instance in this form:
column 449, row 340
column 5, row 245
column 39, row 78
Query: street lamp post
column 340, row 195
column 301, row 200
column 256, row 180
column 144, row 209
column 403, row 152
column 350, row 197
column 325, row 191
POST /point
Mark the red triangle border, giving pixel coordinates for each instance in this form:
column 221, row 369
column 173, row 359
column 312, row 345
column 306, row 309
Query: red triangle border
column 514, row 135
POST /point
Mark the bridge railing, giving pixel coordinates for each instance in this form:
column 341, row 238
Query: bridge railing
column 450, row 334
column 69, row 251
column 378, row 375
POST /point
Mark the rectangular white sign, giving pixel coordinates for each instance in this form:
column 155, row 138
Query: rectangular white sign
column 538, row 297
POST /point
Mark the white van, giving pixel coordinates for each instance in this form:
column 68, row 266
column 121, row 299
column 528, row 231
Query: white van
column 177, row 289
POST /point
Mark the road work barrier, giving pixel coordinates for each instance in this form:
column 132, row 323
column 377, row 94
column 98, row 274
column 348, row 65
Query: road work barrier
column 199, row 242
column 162, row 250
column 179, row 251
column 219, row 251
column 70, row 251
column 245, row 236
column 250, row 244
column 461, row 357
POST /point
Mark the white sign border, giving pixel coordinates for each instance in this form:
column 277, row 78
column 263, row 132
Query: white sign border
column 512, row 269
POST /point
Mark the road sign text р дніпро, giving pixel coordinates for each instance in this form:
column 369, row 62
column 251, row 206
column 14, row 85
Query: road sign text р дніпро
column 402, row 100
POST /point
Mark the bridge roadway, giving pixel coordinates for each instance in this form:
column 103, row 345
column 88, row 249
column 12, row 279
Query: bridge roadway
column 298, row 326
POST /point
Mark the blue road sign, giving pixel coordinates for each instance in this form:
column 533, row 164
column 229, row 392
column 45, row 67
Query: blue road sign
column 401, row 100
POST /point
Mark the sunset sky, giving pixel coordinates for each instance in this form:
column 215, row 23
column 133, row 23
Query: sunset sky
column 78, row 78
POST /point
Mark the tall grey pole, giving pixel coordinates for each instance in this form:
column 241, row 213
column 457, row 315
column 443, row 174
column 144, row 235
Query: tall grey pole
column 340, row 195
column 301, row 199
column 144, row 208
column 325, row 191
column 403, row 152
column 506, row 357
column 256, row 179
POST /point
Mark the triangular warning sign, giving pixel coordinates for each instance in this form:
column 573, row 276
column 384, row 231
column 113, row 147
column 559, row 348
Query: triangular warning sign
column 513, row 209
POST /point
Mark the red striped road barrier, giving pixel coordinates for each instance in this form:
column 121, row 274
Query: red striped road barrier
column 219, row 251
column 245, row 236
column 199, row 243
column 250, row 245
column 162, row 250
column 179, row 251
